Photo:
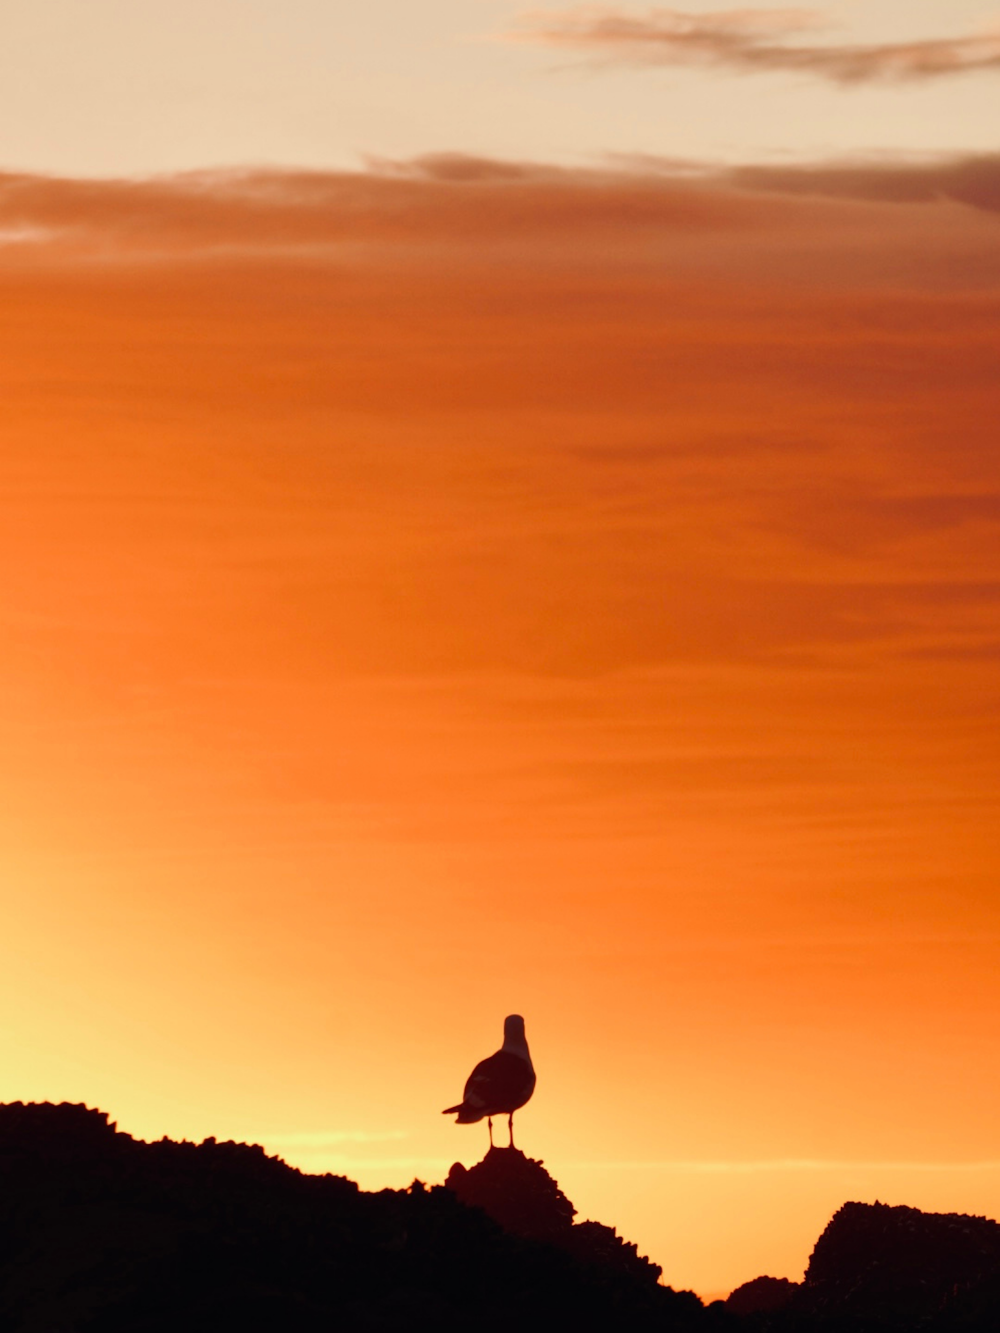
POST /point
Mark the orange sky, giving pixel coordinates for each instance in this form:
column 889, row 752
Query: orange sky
column 478, row 588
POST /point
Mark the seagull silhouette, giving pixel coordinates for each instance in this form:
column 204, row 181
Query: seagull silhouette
column 500, row 1084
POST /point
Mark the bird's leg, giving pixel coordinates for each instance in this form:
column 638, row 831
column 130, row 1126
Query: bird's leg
column 510, row 1127
column 489, row 1121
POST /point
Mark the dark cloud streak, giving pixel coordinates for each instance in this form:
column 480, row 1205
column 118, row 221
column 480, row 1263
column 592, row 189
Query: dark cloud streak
column 755, row 41
column 970, row 180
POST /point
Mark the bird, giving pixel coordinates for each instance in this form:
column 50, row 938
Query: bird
column 500, row 1084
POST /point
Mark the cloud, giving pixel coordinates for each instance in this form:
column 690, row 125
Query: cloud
column 334, row 1137
column 974, row 181
column 792, row 1164
column 745, row 388
column 461, row 202
column 461, row 168
column 755, row 41
column 330, row 215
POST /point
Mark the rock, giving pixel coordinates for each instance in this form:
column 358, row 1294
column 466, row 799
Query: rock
column 763, row 1295
column 519, row 1193
column 899, row 1266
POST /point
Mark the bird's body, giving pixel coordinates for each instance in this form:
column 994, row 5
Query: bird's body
column 500, row 1084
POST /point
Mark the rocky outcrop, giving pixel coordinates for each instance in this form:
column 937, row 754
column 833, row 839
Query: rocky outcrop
column 519, row 1193
column 764, row 1295
column 101, row 1233
column 901, row 1267
column 885, row 1269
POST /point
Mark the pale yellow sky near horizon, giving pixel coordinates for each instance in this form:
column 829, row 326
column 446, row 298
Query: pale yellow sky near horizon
column 109, row 87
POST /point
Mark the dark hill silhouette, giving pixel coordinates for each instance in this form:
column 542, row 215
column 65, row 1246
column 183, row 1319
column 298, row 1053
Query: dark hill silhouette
column 102, row 1233
column 886, row 1269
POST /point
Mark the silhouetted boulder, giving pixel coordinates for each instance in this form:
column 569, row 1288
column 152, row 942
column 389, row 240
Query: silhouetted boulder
column 519, row 1193
column 516, row 1191
column 901, row 1268
column 763, row 1295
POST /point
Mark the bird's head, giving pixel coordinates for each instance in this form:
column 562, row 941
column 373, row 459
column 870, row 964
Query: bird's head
column 513, row 1028
column 514, row 1040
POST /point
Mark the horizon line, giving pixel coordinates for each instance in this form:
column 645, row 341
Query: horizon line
column 709, row 1166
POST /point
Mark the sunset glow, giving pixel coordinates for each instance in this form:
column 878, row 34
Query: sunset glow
column 450, row 588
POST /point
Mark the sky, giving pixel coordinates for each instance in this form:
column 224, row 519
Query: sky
column 499, row 514
column 106, row 87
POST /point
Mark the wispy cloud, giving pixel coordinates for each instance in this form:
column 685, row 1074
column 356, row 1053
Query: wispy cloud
column 332, row 1138
column 752, row 40
column 973, row 180
column 789, row 1164
column 23, row 235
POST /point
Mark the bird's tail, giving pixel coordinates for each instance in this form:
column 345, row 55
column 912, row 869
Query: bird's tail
column 467, row 1115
